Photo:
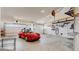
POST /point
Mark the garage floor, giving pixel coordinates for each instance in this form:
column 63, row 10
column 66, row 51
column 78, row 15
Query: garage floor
column 46, row 43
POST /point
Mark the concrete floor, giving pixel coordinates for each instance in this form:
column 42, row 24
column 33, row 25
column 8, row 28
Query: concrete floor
column 46, row 43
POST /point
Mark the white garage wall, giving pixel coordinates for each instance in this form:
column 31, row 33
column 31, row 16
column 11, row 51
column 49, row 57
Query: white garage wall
column 0, row 22
column 76, row 29
column 77, row 36
column 38, row 28
column 65, row 30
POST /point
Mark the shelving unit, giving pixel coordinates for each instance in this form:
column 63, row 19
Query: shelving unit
column 3, row 39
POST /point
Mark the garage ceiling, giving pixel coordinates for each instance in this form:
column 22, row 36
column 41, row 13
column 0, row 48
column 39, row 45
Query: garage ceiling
column 26, row 13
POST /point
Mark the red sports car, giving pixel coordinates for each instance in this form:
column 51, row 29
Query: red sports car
column 30, row 36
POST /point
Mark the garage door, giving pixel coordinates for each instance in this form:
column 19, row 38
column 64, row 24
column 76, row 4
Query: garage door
column 13, row 29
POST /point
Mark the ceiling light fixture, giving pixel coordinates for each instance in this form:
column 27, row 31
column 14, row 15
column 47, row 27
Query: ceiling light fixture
column 42, row 11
